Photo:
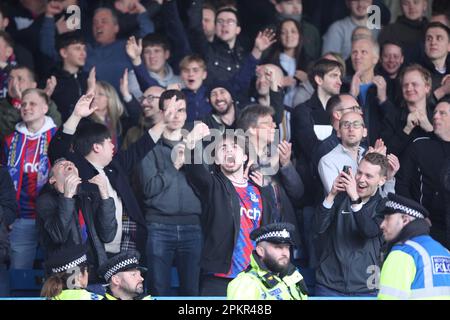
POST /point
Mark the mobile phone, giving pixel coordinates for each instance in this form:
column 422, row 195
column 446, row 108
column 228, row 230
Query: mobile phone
column 346, row 169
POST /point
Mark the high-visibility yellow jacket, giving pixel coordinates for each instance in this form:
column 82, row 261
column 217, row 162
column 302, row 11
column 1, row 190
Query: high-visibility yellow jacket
column 77, row 294
column 257, row 283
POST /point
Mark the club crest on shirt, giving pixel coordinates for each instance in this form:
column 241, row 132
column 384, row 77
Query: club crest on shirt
column 253, row 197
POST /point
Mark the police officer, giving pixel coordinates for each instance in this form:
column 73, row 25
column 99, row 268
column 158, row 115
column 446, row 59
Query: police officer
column 122, row 272
column 69, row 275
column 270, row 275
column 417, row 267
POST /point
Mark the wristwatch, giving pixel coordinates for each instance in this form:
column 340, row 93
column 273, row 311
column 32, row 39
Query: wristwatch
column 357, row 201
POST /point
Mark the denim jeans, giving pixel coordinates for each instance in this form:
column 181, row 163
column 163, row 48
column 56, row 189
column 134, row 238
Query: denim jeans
column 173, row 244
column 24, row 241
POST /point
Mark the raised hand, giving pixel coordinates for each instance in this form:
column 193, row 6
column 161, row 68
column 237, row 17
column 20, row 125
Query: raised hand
column 378, row 148
column 274, row 75
column 257, row 178
column 134, row 50
column 200, row 131
column 124, row 88
column 136, row 7
column 91, row 82
column 61, row 26
column 102, row 184
column 84, row 107
column 349, row 183
column 50, row 86
column 337, row 187
column 177, row 155
column 285, row 151
column 381, row 85
column 70, row 185
column 424, row 123
column 394, row 166
column 265, row 39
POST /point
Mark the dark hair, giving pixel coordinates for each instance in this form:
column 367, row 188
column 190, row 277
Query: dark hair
column 57, row 282
column 31, row 73
column 4, row 10
column 438, row 25
column 8, row 39
column 210, row 6
column 273, row 55
column 169, row 94
column 250, row 114
column 238, row 137
column 155, row 39
column 66, row 39
column 378, row 159
column 89, row 134
column 391, row 42
column 321, row 67
column 229, row 9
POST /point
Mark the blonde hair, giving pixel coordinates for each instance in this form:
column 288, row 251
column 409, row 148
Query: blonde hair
column 115, row 107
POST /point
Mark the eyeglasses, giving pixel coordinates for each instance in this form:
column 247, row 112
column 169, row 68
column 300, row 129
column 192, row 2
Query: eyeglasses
column 228, row 22
column 354, row 109
column 354, row 124
column 148, row 98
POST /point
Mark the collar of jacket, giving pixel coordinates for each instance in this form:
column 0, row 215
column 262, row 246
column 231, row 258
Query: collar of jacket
column 219, row 43
column 270, row 279
column 415, row 228
column 61, row 73
column 420, row 25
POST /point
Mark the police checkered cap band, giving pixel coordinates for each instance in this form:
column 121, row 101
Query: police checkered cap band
column 406, row 210
column 70, row 265
column 122, row 264
column 274, row 234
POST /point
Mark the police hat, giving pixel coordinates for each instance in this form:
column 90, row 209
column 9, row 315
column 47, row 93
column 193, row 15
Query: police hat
column 121, row 262
column 274, row 233
column 66, row 258
column 398, row 204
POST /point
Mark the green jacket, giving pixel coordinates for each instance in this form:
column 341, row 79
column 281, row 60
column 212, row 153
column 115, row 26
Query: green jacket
column 258, row 283
column 10, row 116
column 77, row 294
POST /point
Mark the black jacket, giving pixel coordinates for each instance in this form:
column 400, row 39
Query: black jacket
column 59, row 226
column 350, row 243
column 118, row 172
column 305, row 142
column 419, row 178
column 445, row 178
column 8, row 211
column 221, row 61
column 392, row 133
column 374, row 113
column 69, row 88
column 220, row 216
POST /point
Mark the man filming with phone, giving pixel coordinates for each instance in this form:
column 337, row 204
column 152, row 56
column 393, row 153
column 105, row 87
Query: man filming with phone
column 347, row 225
